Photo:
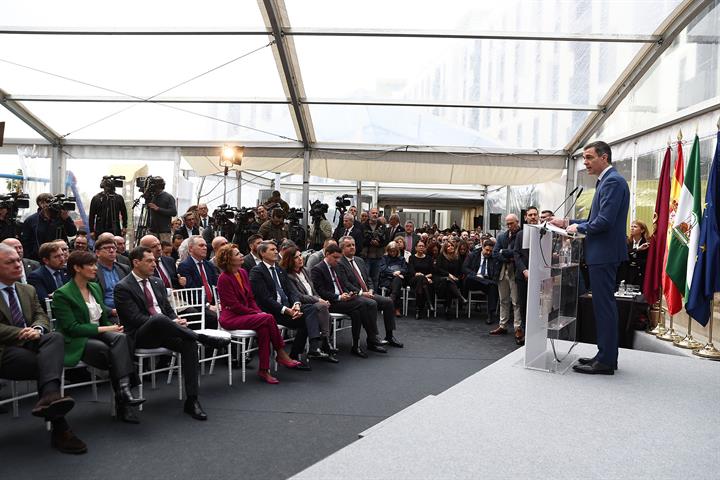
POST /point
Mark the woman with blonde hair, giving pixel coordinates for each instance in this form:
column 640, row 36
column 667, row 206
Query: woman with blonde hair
column 448, row 270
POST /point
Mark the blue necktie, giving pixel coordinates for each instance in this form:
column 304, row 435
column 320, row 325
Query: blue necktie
column 483, row 267
column 283, row 297
column 58, row 279
column 17, row 315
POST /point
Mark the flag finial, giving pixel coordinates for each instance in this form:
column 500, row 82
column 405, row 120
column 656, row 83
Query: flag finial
column 680, row 135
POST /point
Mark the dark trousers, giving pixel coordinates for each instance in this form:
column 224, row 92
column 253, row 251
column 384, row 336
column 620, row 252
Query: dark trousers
column 362, row 312
column 422, row 288
column 522, row 299
column 387, row 307
column 602, row 279
column 160, row 331
column 110, row 351
column 373, row 265
column 490, row 289
column 395, row 288
column 40, row 359
column 301, row 331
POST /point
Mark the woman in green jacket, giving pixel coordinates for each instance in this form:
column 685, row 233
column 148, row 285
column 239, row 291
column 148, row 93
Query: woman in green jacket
column 82, row 318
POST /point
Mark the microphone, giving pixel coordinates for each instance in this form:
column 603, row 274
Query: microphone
column 576, row 199
column 543, row 229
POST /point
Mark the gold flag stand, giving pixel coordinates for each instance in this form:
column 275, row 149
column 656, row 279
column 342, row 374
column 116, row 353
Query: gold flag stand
column 670, row 335
column 657, row 315
column 709, row 351
column 688, row 341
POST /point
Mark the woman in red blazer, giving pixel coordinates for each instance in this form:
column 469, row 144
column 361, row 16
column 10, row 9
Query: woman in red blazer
column 240, row 312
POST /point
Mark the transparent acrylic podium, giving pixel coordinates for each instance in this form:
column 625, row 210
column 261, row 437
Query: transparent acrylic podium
column 554, row 271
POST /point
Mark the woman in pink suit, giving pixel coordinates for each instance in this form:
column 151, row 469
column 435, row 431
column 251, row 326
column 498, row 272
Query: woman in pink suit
column 240, row 312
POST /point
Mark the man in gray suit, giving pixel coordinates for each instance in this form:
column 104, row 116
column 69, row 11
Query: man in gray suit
column 29, row 265
column 357, row 274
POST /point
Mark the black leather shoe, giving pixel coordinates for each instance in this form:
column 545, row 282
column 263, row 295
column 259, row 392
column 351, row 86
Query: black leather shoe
column 213, row 342
column 594, row 368
column 376, row 348
column 67, row 442
column 330, row 359
column 125, row 397
column 305, row 367
column 394, row 342
column 430, row 307
column 316, row 353
column 127, row 414
column 194, row 409
column 358, row 352
column 588, row 361
column 327, row 348
column 53, row 406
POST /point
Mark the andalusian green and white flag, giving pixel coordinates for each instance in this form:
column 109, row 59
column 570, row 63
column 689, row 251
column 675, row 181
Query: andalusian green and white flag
column 682, row 254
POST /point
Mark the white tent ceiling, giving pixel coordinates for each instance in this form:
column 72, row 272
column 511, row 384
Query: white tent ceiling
column 404, row 91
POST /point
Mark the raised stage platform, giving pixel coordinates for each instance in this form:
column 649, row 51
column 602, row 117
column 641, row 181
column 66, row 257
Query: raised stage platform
column 658, row 417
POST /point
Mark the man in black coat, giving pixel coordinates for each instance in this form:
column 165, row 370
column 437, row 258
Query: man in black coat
column 150, row 321
column 359, row 280
column 108, row 212
column 332, row 286
column 481, row 272
column 349, row 228
column 45, row 226
column 275, row 295
column 521, row 257
column 189, row 226
column 162, row 208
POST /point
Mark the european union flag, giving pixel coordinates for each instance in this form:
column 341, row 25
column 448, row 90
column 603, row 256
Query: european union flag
column 706, row 275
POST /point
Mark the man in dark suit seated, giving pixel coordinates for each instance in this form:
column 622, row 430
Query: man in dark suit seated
column 604, row 249
column 150, row 322
column 349, row 228
column 200, row 273
column 29, row 349
column 253, row 258
column 119, row 257
column 189, row 227
column 363, row 312
column 109, row 273
column 165, row 268
column 29, row 265
column 52, row 274
column 481, row 272
column 275, row 294
column 360, row 282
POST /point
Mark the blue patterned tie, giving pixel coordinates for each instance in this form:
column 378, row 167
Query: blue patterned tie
column 17, row 315
column 280, row 290
column 58, row 279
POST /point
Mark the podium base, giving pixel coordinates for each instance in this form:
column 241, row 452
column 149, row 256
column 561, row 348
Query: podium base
column 547, row 363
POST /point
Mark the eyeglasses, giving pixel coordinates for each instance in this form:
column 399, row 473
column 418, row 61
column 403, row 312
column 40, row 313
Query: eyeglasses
column 109, row 248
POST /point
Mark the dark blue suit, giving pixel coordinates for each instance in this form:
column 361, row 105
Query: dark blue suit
column 189, row 270
column 604, row 250
column 44, row 282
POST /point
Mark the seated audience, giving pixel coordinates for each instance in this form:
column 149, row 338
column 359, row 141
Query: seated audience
column 274, row 294
column 175, row 224
column 400, row 245
column 329, row 286
column 80, row 243
column 167, row 248
column 149, row 320
column 357, row 275
column 165, row 268
column 200, row 273
column 29, row 265
column 481, row 272
column 393, row 269
column 120, row 243
column 109, row 272
column 299, row 276
column 318, row 256
column 177, row 240
column 240, row 312
column 90, row 336
column 253, row 258
column 217, row 242
column 189, row 227
column 633, row 270
column 447, row 274
column 29, row 349
column 52, row 275
column 420, row 273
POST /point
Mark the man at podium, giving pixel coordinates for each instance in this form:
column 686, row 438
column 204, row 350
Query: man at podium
column 604, row 251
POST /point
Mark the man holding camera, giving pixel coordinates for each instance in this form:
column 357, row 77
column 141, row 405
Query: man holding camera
column 161, row 206
column 275, row 228
column 107, row 209
column 51, row 222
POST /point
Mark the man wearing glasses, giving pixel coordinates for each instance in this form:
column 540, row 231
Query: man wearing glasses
column 109, row 272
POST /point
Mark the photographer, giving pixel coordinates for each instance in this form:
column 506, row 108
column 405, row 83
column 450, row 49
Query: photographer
column 245, row 227
column 107, row 209
column 374, row 239
column 51, row 222
column 321, row 229
column 276, row 199
column 7, row 228
column 9, row 206
column 275, row 228
column 161, row 207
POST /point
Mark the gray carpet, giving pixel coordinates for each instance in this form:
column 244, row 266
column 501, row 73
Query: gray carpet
column 256, row 430
column 655, row 419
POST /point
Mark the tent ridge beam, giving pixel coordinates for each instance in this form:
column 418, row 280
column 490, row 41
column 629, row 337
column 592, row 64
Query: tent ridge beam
column 19, row 110
column 290, row 77
column 673, row 25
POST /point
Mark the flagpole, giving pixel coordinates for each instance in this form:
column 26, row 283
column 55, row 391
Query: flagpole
column 656, row 313
column 688, row 341
column 670, row 335
column 709, row 350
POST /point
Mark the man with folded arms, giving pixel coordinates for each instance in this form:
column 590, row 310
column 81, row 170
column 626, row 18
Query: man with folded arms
column 29, row 349
column 148, row 318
